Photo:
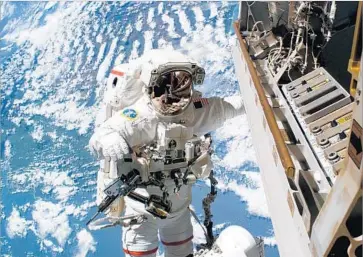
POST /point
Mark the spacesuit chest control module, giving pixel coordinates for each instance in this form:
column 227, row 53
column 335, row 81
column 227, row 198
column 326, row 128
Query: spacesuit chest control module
column 152, row 152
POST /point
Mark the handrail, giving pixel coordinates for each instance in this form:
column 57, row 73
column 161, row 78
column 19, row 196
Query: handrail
column 270, row 117
column 354, row 60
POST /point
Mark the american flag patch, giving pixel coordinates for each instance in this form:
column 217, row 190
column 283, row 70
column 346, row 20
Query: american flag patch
column 200, row 102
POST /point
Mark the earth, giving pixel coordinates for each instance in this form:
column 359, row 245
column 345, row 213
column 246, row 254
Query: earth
column 55, row 58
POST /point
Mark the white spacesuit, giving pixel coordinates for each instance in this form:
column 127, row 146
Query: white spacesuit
column 161, row 135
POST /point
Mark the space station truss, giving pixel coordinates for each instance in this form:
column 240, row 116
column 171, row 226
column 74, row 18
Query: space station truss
column 308, row 139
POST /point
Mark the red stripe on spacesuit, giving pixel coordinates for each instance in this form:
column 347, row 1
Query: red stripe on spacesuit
column 117, row 73
column 140, row 253
column 178, row 242
column 204, row 101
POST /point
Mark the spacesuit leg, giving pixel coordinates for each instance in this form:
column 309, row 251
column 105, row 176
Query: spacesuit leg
column 177, row 236
column 140, row 239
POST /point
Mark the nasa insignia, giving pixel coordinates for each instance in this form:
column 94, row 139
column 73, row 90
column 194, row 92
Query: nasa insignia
column 130, row 114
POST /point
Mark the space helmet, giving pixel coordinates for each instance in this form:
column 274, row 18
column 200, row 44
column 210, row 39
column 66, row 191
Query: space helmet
column 171, row 86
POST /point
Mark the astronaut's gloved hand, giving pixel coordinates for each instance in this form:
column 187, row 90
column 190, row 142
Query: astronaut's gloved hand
column 111, row 146
column 114, row 146
column 94, row 146
column 238, row 106
column 202, row 167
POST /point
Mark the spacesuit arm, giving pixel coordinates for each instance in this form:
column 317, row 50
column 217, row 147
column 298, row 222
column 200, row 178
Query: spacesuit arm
column 121, row 132
column 114, row 138
column 124, row 87
column 212, row 112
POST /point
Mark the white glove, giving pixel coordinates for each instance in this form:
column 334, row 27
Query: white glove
column 94, row 146
column 202, row 166
column 109, row 146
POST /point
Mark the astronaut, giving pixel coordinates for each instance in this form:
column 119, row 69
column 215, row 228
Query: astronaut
column 124, row 87
column 162, row 135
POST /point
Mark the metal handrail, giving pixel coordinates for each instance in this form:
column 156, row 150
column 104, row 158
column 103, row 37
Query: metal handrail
column 281, row 147
column 354, row 61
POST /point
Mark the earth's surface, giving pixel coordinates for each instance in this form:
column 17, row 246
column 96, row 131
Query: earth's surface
column 55, row 58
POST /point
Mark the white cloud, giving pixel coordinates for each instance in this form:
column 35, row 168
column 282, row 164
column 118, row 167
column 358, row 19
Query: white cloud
column 213, row 11
column 81, row 210
column 49, row 244
column 50, row 5
column 160, row 8
column 240, row 149
column 199, row 17
column 50, row 220
column 105, row 65
column 219, row 226
column 52, row 135
column 134, row 52
column 7, row 150
column 139, row 24
column 19, row 178
column 271, row 241
column 128, row 31
column 253, row 194
column 171, row 27
column 7, row 9
column 61, row 185
column 39, row 36
column 184, row 21
column 150, row 15
column 37, row 133
column 53, row 41
column 163, row 44
column 16, row 225
column 71, row 115
column 86, row 243
column 149, row 36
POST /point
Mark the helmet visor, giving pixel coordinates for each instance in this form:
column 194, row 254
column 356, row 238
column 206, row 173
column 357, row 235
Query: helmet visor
column 175, row 83
column 173, row 91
